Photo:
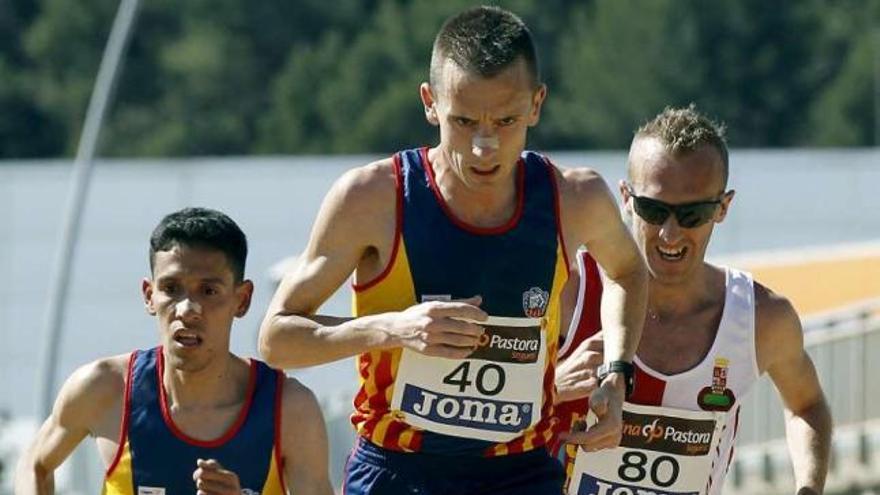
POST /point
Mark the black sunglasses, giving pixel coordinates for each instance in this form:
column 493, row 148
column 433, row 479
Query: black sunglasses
column 688, row 215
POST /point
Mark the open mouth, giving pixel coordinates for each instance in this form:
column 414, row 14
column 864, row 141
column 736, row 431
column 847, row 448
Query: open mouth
column 669, row 254
column 486, row 172
column 187, row 338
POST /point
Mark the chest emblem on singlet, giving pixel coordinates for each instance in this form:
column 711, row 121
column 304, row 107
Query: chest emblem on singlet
column 717, row 397
column 535, row 302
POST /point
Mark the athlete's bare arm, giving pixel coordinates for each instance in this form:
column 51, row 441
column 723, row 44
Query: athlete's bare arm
column 590, row 216
column 303, row 442
column 780, row 352
column 355, row 229
column 92, row 392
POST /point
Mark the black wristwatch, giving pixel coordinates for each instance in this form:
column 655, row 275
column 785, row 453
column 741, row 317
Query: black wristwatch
column 624, row 367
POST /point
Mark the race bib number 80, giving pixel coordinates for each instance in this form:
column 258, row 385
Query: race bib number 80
column 663, row 452
column 493, row 395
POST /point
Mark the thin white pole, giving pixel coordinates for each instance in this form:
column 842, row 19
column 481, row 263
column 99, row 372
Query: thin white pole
column 79, row 186
column 876, row 46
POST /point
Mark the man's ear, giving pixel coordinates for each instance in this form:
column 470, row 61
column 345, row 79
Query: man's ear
column 147, row 292
column 538, row 98
column 245, row 292
column 726, row 199
column 428, row 100
column 624, row 197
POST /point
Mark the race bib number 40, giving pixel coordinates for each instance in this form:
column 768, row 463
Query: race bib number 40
column 663, row 452
column 492, row 395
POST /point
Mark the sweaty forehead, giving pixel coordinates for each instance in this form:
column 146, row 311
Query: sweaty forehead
column 691, row 175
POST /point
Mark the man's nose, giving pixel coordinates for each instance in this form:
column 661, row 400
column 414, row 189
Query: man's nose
column 670, row 231
column 484, row 144
column 188, row 309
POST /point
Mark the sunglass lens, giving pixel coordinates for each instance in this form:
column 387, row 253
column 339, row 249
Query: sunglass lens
column 651, row 211
column 690, row 216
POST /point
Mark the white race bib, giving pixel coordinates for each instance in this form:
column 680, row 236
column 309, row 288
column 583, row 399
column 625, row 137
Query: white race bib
column 663, row 451
column 494, row 394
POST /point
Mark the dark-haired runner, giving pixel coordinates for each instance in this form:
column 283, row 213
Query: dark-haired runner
column 460, row 253
column 188, row 416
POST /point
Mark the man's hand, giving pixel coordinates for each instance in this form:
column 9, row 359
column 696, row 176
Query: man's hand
column 576, row 375
column 212, row 479
column 437, row 328
column 607, row 404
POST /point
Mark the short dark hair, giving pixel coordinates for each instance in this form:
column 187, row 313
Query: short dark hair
column 484, row 41
column 682, row 130
column 205, row 228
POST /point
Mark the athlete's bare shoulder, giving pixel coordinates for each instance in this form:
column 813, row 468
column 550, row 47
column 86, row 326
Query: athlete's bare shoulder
column 773, row 310
column 777, row 327
column 583, row 189
column 580, row 179
column 368, row 184
column 589, row 213
column 103, row 377
column 362, row 203
column 298, row 400
column 92, row 392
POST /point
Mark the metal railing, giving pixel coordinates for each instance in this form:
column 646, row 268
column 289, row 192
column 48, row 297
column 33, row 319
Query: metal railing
column 842, row 344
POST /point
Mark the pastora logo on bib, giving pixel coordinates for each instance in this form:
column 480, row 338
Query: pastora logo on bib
column 472, row 412
column 509, row 344
column 667, row 434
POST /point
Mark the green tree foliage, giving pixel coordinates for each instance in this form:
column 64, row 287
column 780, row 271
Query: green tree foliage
column 626, row 60
column 764, row 64
column 220, row 77
column 64, row 46
column 26, row 129
column 845, row 113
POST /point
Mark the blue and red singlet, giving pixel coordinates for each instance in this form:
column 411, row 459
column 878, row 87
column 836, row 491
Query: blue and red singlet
column 156, row 458
column 518, row 268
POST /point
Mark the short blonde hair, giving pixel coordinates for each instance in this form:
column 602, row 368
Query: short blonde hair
column 682, row 130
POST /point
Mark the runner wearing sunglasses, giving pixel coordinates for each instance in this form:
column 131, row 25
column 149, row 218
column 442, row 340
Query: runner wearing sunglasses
column 688, row 215
column 710, row 332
